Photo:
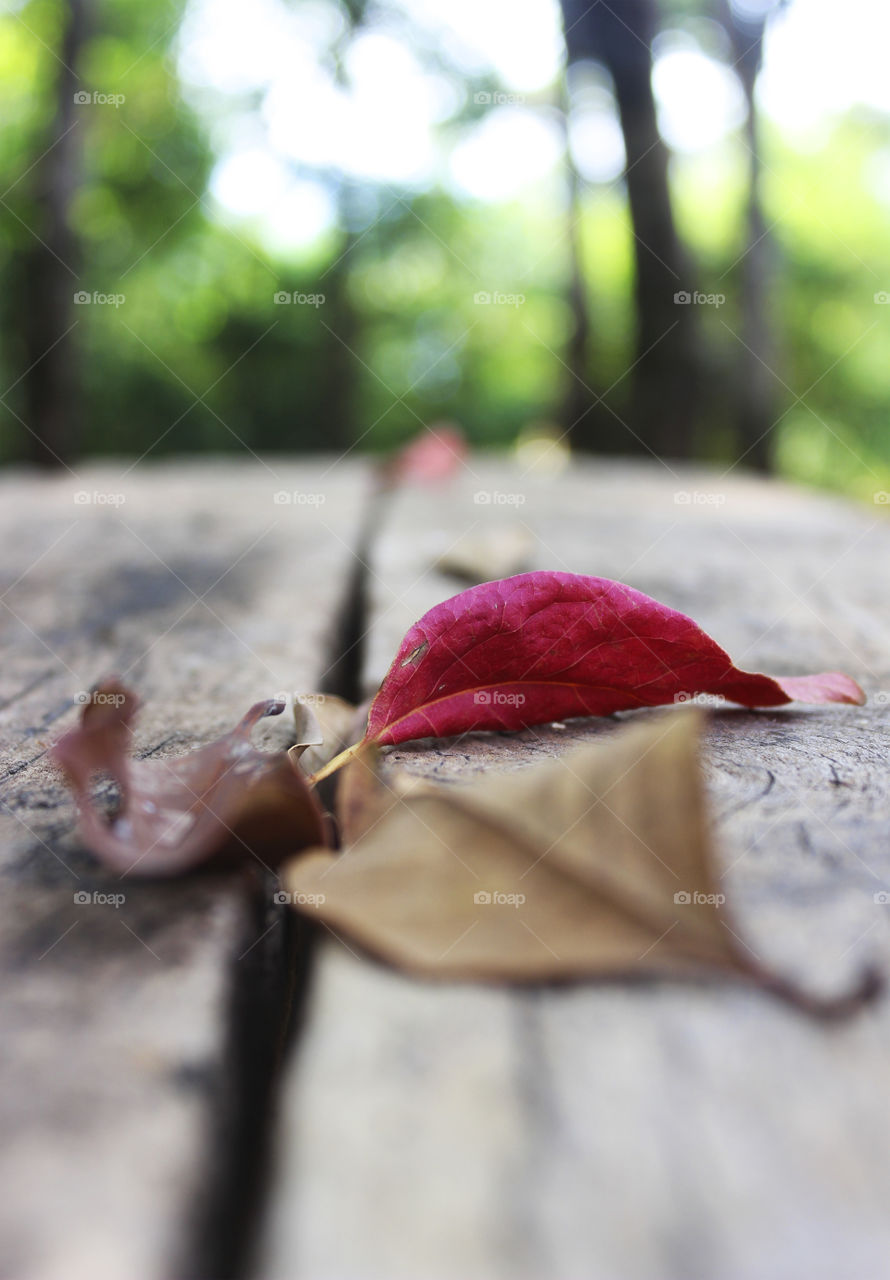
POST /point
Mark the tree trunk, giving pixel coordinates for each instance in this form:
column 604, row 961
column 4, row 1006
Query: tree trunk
column 581, row 415
column 666, row 374
column 756, row 393
column 51, row 383
column 339, row 363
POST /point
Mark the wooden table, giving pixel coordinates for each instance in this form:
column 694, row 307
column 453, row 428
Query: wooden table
column 196, row 1084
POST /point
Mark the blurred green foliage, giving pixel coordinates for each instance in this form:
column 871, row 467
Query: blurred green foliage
column 201, row 357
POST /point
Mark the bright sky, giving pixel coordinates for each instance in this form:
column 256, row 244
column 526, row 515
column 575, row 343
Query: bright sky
column 380, row 124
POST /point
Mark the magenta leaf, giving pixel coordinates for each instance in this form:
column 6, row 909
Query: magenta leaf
column 433, row 455
column 227, row 801
column 547, row 646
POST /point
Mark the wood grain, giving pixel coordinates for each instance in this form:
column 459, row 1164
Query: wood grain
column 117, row 1072
column 651, row 1132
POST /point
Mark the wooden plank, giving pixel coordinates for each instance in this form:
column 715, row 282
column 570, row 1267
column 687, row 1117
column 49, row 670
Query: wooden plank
column 117, row 1071
column 660, row 1132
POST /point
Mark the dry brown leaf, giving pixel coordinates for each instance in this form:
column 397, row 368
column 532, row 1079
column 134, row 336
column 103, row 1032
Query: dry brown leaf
column 363, row 798
column 597, row 864
column 325, row 724
column 485, row 554
column 224, row 802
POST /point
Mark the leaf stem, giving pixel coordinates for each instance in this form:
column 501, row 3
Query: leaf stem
column 828, row 1008
column 336, row 763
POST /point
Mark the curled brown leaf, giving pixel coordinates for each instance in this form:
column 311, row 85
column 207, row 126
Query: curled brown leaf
column 325, row 724
column 226, row 801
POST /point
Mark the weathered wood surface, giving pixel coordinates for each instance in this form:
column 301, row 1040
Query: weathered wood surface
column 655, row 1132
column 120, row 1032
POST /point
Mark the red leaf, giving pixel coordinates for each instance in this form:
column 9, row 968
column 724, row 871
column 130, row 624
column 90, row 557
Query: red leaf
column 227, row 798
column 546, row 646
column 435, row 454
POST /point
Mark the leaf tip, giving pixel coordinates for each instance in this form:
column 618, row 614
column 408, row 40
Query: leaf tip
column 829, row 686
